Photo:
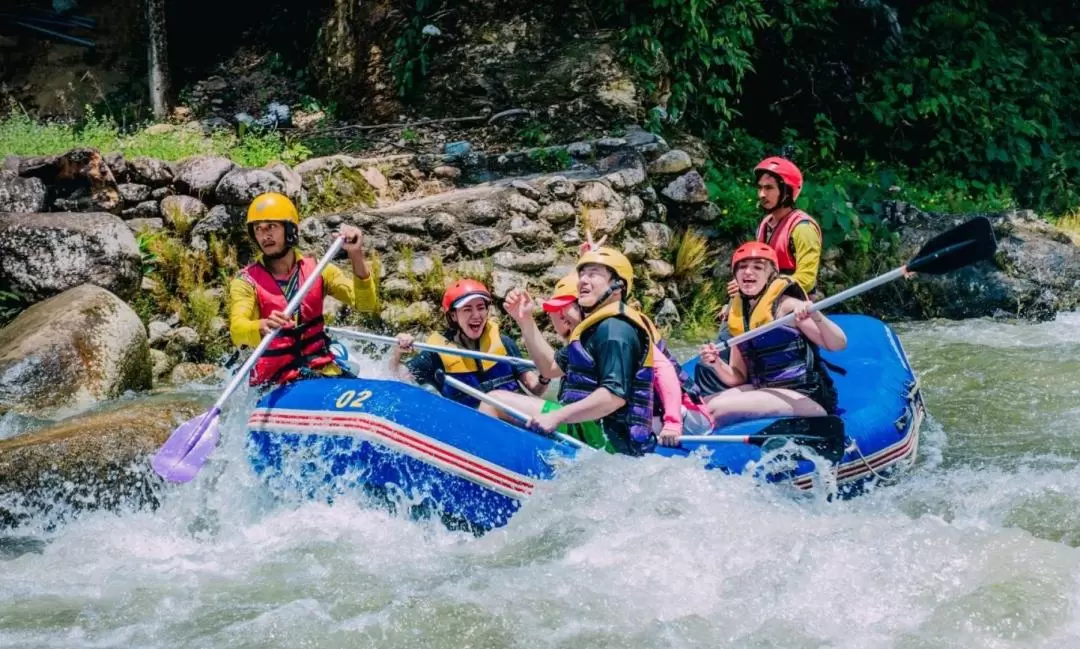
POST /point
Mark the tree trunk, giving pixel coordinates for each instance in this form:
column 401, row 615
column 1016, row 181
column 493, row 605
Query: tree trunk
column 157, row 52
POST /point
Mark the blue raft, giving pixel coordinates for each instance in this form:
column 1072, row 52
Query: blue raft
column 323, row 437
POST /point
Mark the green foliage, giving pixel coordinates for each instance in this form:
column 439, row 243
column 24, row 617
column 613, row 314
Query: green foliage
column 12, row 304
column 698, row 51
column 551, row 158
column 145, row 239
column 22, row 135
column 534, row 133
column 409, row 62
column 987, row 91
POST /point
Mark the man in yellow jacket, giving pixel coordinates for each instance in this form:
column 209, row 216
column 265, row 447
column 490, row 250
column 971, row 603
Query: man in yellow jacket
column 259, row 295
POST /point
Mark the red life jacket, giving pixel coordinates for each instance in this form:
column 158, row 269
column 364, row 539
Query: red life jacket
column 781, row 237
column 305, row 344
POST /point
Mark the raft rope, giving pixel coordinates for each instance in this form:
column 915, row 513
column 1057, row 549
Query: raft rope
column 909, row 414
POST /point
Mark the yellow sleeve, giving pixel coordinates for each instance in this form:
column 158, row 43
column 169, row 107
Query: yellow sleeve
column 243, row 314
column 807, row 255
column 358, row 294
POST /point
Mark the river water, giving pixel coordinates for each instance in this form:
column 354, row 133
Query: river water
column 974, row 547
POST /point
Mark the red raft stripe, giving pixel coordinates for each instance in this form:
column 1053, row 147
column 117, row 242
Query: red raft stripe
column 402, row 437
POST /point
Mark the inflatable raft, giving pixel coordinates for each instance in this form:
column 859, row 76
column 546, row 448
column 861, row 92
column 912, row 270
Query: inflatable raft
column 321, row 438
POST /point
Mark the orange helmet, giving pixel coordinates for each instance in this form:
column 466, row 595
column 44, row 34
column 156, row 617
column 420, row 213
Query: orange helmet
column 783, row 169
column 462, row 292
column 754, row 250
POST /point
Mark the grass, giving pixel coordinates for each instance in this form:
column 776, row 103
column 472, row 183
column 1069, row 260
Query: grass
column 22, row 135
column 691, row 255
column 1070, row 225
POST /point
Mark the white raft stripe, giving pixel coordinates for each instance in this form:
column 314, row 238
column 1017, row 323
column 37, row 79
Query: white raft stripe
column 403, row 440
column 904, row 449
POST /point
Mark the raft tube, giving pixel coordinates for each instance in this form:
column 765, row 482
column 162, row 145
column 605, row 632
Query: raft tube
column 406, row 446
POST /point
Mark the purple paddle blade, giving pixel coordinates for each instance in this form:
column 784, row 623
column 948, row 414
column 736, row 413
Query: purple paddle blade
column 186, row 450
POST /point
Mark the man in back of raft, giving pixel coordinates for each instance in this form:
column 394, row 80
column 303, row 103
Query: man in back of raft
column 259, row 295
column 607, row 367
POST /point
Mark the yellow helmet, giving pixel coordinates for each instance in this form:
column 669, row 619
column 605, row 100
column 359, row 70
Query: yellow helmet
column 565, row 293
column 613, row 259
column 272, row 206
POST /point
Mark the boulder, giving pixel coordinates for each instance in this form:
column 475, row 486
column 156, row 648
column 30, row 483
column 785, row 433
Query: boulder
column 150, row 171
column 334, row 184
column 412, row 224
column 672, row 162
column 604, row 220
column 597, row 194
column 45, row 254
column 144, row 210
column 668, row 315
column 526, row 262
column 441, row 224
column 1035, row 273
column 97, row 460
column 658, row 236
column 182, row 212
column 185, row 373
column 398, row 316
column 134, row 193
column 145, row 225
column 635, row 249
column 687, row 188
column 419, row 266
column 291, row 181
column 558, row 212
column 240, row 186
column 530, row 233
column 396, row 287
column 481, row 240
column 527, row 189
column 516, row 202
column 84, row 169
column 635, row 209
column 659, row 269
column 21, row 194
column 219, row 221
column 199, row 176
column 503, row 281
column 161, row 363
column 481, row 212
column 560, row 188
column 71, row 351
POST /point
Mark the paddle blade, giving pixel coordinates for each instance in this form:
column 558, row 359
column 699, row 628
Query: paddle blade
column 961, row 246
column 183, row 454
column 823, row 434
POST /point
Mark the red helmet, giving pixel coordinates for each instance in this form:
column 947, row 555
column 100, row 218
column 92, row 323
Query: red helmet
column 783, row 169
column 462, row 292
column 754, row 250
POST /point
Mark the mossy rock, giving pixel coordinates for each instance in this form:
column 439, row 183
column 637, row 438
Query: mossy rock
column 339, row 188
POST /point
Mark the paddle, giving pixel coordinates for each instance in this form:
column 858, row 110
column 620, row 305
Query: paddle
column 186, row 450
column 456, row 351
column 823, row 434
column 513, row 412
column 961, row 246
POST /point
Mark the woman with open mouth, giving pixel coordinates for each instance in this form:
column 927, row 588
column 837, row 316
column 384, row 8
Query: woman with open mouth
column 779, row 373
column 465, row 305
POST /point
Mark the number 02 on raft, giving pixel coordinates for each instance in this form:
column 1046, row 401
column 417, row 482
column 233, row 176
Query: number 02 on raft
column 352, row 399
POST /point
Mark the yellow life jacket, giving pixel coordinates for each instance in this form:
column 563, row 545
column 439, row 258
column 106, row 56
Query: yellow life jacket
column 764, row 311
column 620, row 309
column 483, row 375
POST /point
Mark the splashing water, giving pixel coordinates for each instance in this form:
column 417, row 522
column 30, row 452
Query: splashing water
column 975, row 547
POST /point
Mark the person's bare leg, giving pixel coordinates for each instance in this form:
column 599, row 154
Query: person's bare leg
column 745, row 402
column 526, row 403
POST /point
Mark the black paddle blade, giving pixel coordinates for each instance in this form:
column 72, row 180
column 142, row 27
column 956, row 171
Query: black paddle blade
column 961, row 246
column 823, row 434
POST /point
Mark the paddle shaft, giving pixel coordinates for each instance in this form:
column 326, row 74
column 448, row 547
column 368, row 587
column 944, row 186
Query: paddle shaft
column 510, row 410
column 817, row 306
column 742, row 439
column 456, row 351
column 290, row 309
